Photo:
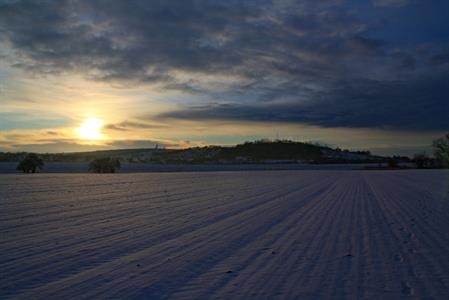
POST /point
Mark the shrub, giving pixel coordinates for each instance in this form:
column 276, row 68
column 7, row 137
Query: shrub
column 104, row 165
column 392, row 163
column 30, row 163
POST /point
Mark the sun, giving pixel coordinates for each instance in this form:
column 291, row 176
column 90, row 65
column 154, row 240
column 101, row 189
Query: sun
column 90, row 129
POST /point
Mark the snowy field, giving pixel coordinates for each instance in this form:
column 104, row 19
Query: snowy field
column 228, row 235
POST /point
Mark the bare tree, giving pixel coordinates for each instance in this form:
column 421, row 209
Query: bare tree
column 441, row 151
column 30, row 163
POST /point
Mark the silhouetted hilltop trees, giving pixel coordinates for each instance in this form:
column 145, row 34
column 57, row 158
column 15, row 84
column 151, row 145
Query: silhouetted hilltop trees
column 264, row 150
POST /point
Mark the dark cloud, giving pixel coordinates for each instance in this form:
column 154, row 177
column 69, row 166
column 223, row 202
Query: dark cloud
column 51, row 132
column 16, row 136
column 131, row 40
column 418, row 105
column 115, row 127
column 390, row 3
column 128, row 125
column 146, row 41
column 133, row 144
column 441, row 58
column 316, row 62
column 365, row 46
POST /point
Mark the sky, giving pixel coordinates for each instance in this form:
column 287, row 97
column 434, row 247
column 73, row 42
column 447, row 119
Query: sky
column 97, row 74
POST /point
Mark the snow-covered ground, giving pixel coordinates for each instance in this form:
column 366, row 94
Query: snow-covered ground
column 229, row 235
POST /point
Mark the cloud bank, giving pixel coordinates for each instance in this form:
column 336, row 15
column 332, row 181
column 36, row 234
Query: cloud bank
column 323, row 63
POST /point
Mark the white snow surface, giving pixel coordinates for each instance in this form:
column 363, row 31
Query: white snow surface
column 228, row 235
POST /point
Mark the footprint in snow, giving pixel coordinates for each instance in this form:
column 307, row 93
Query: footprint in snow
column 406, row 289
column 398, row 258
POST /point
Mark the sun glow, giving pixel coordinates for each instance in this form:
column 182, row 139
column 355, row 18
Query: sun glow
column 91, row 129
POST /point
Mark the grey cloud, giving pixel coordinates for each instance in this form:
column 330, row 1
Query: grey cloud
column 133, row 144
column 404, row 60
column 390, row 3
column 115, row 127
column 51, row 132
column 16, row 136
column 128, row 125
column 441, row 58
column 365, row 46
